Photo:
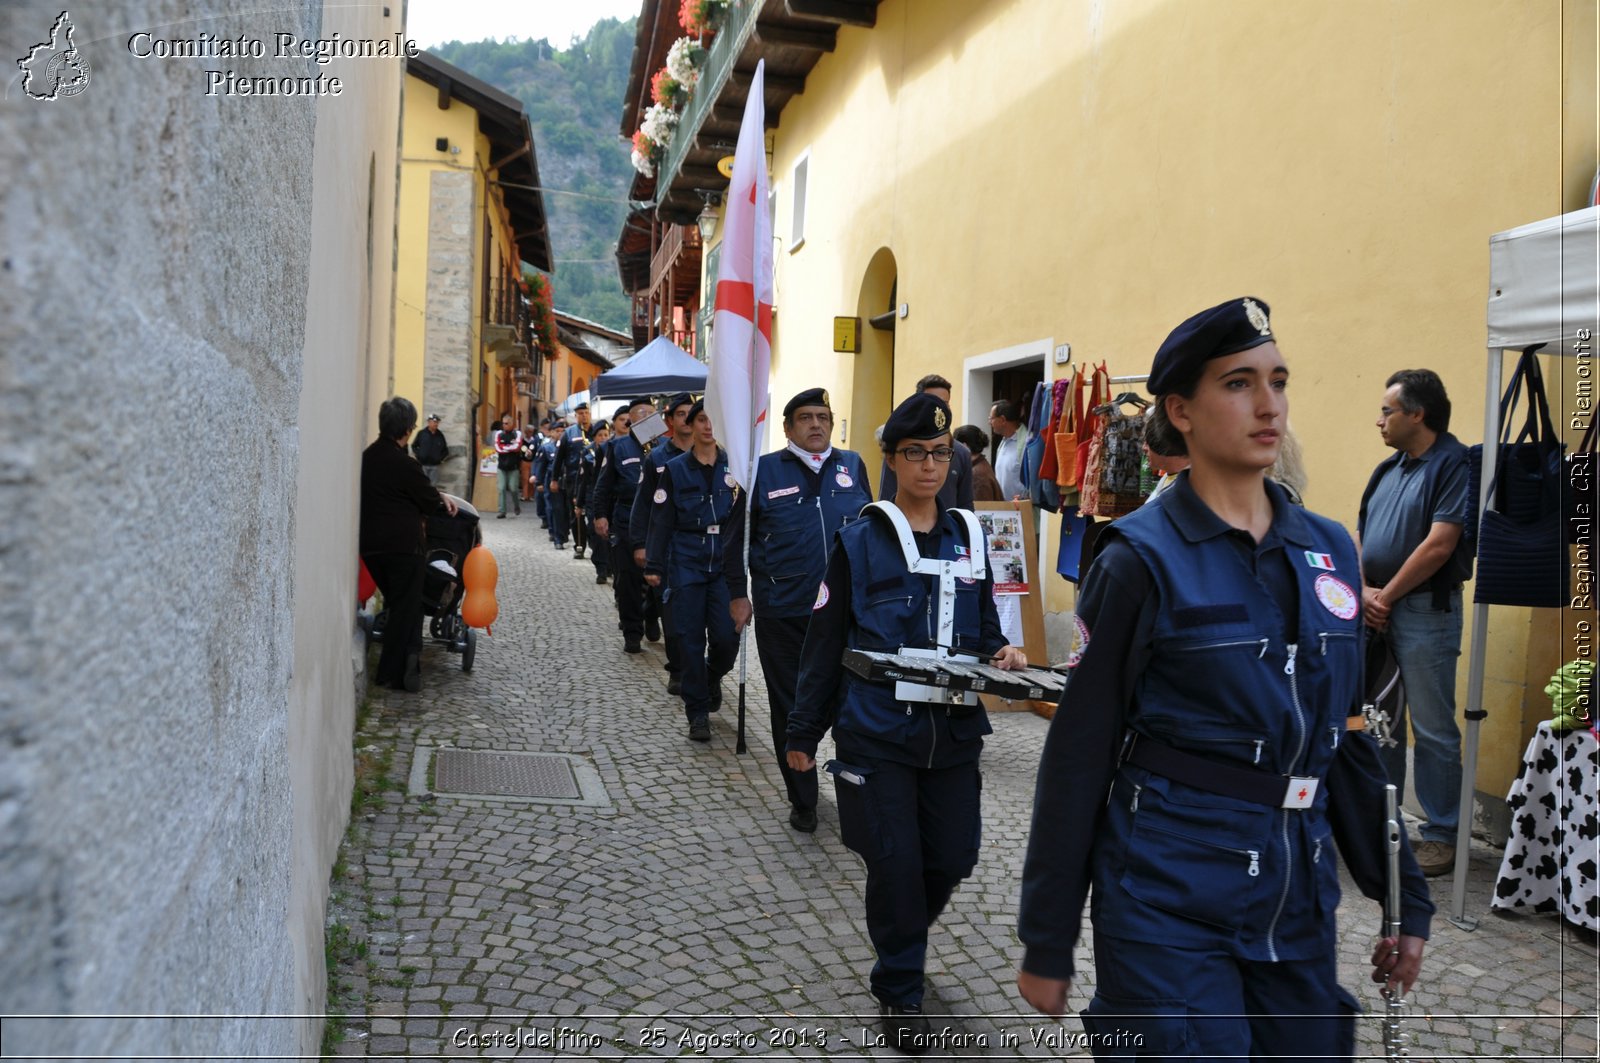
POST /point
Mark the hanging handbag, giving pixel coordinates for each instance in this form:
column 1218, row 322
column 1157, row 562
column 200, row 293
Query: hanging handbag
column 1069, row 548
column 1531, row 464
column 1066, row 441
column 1522, row 556
column 1121, row 454
column 1048, row 415
column 1089, row 423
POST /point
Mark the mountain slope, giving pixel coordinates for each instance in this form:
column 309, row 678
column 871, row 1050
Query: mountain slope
column 573, row 98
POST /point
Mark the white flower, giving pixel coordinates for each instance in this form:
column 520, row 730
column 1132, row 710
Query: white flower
column 643, row 164
column 659, row 124
column 684, row 60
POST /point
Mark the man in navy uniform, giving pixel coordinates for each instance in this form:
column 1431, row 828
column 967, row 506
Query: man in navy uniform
column 624, row 464
column 694, row 497
column 547, row 477
column 804, row 493
column 680, row 436
column 569, row 467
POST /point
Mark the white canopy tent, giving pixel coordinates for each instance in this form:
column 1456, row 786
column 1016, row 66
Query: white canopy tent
column 1544, row 288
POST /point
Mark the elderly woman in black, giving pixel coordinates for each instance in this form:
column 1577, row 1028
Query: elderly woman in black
column 396, row 499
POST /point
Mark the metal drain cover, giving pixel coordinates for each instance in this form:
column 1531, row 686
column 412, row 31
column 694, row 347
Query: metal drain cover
column 470, row 771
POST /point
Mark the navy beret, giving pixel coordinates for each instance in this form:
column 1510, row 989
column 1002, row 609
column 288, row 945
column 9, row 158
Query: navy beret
column 580, row 406
column 1228, row 328
column 922, row 416
column 814, row 397
column 683, row 398
column 624, row 408
column 695, row 409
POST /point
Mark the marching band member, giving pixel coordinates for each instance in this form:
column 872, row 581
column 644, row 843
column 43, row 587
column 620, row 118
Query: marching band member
column 1198, row 771
column 906, row 775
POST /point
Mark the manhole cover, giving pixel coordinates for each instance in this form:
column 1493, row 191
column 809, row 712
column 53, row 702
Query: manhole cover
column 466, row 771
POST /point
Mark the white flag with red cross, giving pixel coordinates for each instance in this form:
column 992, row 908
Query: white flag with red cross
column 741, row 338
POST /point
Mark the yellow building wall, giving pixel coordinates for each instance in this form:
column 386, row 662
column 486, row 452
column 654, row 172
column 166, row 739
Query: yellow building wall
column 422, row 124
column 422, row 121
column 1121, row 166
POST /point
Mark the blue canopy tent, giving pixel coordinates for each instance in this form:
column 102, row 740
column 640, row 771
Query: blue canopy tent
column 660, row 368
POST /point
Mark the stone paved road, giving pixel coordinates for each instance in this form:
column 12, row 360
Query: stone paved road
column 684, row 918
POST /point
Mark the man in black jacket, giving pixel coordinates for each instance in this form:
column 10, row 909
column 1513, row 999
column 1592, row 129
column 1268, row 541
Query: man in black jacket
column 430, row 448
column 396, row 499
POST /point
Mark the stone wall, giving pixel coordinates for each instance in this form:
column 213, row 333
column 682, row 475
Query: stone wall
column 449, row 340
column 154, row 298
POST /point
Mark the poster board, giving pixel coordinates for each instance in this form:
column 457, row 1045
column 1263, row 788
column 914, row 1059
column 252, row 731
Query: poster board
column 1030, row 598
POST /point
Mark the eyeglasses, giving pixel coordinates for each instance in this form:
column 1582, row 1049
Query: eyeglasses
column 921, row 454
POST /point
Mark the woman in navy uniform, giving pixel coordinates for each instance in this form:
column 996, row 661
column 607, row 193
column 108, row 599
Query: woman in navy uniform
column 906, row 777
column 1199, row 772
column 694, row 497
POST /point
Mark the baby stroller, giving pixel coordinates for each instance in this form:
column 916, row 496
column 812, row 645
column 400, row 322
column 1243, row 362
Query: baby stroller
column 449, row 540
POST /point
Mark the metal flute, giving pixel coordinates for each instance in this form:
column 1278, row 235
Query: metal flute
column 1393, row 1039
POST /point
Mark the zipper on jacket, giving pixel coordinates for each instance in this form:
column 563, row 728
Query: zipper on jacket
column 1133, row 806
column 1299, row 747
column 933, row 734
column 1255, row 862
column 1259, row 743
column 1224, row 645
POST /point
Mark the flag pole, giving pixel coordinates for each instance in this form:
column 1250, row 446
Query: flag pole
column 749, row 518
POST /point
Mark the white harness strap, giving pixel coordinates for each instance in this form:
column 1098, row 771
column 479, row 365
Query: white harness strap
column 974, row 566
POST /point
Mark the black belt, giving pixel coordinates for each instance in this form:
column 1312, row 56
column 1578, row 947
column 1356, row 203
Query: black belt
column 1216, row 777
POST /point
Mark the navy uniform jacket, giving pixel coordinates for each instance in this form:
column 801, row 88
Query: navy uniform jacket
column 569, row 451
column 619, row 479
column 868, row 600
column 1241, row 653
column 689, row 513
column 797, row 513
column 639, row 520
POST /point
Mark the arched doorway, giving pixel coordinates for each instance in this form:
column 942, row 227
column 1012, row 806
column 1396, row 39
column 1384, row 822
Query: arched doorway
column 872, row 386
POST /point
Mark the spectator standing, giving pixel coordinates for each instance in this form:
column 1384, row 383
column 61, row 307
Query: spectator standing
column 1005, row 420
column 430, row 449
column 396, row 500
column 1412, row 566
column 985, row 488
column 508, row 444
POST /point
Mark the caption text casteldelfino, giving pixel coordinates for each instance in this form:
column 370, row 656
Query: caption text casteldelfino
column 321, row 50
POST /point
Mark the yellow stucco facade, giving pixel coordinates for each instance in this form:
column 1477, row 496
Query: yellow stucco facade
column 456, row 275
column 1016, row 177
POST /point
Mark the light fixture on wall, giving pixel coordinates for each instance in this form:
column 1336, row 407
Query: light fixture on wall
column 707, row 221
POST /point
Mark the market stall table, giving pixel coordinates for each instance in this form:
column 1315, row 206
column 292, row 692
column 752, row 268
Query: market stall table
column 1551, row 856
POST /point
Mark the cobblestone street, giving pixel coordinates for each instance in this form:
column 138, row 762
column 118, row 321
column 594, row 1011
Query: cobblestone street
column 679, row 915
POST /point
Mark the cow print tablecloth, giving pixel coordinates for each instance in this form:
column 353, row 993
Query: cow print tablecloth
column 1551, row 856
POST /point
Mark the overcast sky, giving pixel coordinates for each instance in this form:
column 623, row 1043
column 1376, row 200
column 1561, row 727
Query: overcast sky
column 431, row 22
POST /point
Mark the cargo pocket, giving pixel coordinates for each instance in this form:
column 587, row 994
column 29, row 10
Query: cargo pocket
column 1195, row 855
column 860, row 822
column 1136, row 1029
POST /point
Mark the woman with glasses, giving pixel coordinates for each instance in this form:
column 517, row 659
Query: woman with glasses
column 906, row 773
column 1201, row 771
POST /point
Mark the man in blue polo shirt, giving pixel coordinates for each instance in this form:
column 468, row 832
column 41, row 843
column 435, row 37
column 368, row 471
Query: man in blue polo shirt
column 1413, row 562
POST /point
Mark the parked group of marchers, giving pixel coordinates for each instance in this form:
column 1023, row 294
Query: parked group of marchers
column 1206, row 761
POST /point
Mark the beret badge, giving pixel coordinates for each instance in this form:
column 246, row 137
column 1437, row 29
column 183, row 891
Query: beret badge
column 1257, row 317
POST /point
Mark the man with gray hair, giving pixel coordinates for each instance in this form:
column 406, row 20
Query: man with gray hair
column 1413, row 562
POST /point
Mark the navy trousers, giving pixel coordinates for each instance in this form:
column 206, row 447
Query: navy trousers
column 706, row 642
column 1156, row 1001
column 917, row 829
column 560, row 517
column 778, row 642
column 627, row 586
